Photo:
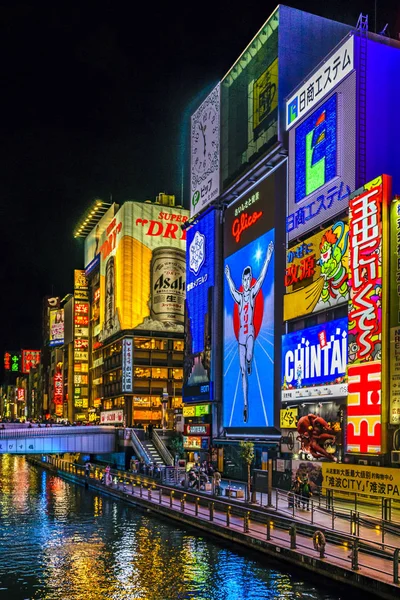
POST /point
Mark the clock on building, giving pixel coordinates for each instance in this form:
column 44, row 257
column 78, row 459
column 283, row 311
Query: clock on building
column 205, row 140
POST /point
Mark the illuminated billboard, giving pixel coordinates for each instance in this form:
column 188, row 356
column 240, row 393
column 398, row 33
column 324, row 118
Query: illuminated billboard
column 92, row 241
column 322, row 160
column 249, row 102
column 248, row 344
column 204, row 152
column 316, row 276
column 143, row 269
column 394, row 347
column 200, row 280
column 127, row 365
column 81, row 340
column 56, row 327
column 30, row 360
column 367, row 316
column 12, row 362
column 314, row 362
column 320, row 83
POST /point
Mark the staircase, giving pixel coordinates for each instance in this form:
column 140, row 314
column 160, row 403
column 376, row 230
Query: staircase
column 152, row 452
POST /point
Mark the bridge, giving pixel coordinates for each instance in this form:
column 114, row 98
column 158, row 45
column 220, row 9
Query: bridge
column 16, row 439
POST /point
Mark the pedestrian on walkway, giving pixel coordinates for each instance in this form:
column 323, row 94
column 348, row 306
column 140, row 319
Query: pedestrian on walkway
column 296, row 488
column 305, row 493
column 217, row 483
column 87, row 469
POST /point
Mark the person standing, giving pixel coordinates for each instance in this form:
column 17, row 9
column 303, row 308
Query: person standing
column 305, row 493
column 217, row 483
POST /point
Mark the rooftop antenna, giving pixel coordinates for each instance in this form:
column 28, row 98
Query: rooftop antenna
column 385, row 31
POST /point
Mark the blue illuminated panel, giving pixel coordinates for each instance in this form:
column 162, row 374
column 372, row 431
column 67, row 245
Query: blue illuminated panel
column 316, row 149
column 200, row 265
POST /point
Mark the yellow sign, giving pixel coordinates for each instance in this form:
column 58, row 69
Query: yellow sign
column 265, row 94
column 371, row 481
column 288, row 418
column 189, row 411
column 316, row 275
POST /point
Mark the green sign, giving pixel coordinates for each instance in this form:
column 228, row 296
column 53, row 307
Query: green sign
column 202, row 409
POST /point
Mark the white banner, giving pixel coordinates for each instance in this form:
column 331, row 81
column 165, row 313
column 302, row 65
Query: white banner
column 112, row 416
column 204, row 153
column 127, row 365
column 321, row 83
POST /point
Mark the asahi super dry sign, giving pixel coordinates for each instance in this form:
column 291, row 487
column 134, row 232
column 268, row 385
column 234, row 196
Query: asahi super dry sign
column 142, row 269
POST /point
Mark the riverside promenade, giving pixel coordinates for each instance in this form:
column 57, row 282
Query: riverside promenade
column 357, row 559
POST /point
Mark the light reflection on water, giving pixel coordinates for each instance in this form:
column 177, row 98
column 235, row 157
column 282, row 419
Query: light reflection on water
column 59, row 541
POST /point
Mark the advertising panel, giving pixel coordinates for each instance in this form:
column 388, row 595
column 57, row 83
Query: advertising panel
column 197, row 429
column 12, row 361
column 288, row 418
column 92, row 241
column 249, row 103
column 56, row 327
column 322, row 160
column 314, row 362
column 110, row 417
column 58, row 389
column 200, row 279
column 20, row 395
column 320, row 83
column 142, row 269
column 367, row 256
column 394, row 347
column 316, row 276
column 196, row 411
column 127, row 365
column 248, row 348
column 204, row 152
column 81, row 340
column 30, row 359
column 371, row 481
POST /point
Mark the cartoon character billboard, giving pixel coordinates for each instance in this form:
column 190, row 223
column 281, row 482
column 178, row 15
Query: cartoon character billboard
column 316, row 276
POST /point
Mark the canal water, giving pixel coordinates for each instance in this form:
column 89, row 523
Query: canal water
column 60, row 541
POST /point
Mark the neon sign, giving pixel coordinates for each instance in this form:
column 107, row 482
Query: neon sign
column 367, row 214
column 244, row 222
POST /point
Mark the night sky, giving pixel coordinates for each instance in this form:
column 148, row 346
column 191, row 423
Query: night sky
column 95, row 101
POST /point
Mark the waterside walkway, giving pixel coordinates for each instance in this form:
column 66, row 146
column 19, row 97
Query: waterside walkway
column 357, row 558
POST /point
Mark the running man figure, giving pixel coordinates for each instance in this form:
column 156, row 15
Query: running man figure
column 246, row 300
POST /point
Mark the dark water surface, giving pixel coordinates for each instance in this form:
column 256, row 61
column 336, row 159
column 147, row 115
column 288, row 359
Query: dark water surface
column 60, row 541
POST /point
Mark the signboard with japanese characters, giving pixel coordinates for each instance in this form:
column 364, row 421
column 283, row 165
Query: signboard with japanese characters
column 111, row 417
column 371, row 481
column 320, row 83
column 30, row 360
column 394, row 347
column 58, row 388
column 288, row 418
column 12, row 361
column 81, row 339
column 322, row 160
column 368, row 224
column 127, row 365
column 316, row 276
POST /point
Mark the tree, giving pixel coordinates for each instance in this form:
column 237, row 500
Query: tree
column 175, row 444
column 246, row 450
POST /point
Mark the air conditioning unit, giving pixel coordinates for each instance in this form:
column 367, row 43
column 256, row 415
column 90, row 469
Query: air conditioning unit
column 362, row 462
column 395, row 456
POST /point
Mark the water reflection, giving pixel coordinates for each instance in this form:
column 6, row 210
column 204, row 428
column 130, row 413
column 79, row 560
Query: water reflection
column 59, row 541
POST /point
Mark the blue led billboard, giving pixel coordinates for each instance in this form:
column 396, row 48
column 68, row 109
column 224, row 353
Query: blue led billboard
column 316, row 149
column 248, row 352
column 200, row 265
column 314, row 361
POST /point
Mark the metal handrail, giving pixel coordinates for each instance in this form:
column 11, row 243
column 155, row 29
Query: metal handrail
column 139, row 449
column 54, row 431
column 162, row 449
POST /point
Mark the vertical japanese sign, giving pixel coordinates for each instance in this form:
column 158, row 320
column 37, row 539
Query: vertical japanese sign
column 58, row 394
column 394, row 348
column 367, row 308
column 30, row 358
column 127, row 365
column 81, row 340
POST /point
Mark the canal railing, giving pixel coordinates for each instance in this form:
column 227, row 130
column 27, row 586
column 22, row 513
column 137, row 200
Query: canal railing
column 349, row 550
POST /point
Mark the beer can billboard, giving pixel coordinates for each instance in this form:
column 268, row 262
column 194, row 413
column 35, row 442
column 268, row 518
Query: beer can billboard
column 142, row 269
